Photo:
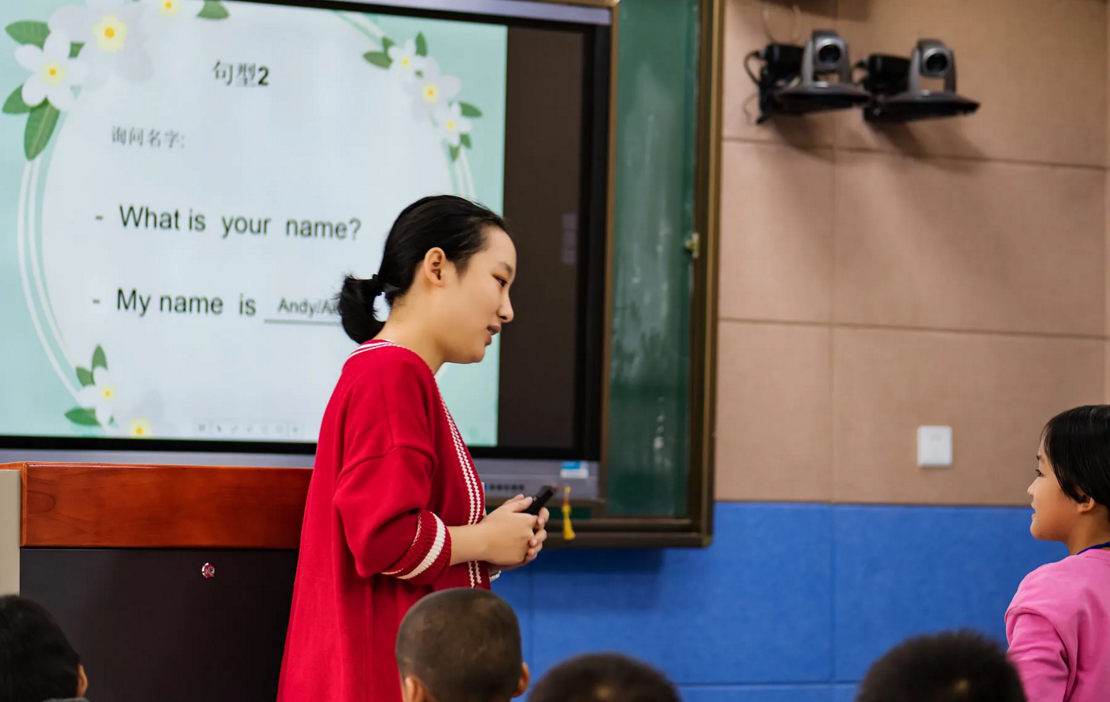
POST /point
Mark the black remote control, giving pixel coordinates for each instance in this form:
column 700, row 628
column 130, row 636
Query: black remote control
column 540, row 499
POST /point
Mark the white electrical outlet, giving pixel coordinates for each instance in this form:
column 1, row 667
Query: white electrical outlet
column 934, row 447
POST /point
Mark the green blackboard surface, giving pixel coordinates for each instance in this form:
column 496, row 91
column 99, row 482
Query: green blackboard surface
column 653, row 215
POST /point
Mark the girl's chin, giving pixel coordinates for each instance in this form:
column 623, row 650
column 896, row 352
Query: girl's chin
column 1037, row 533
column 476, row 356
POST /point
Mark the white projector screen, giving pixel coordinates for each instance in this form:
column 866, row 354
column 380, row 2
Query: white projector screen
column 181, row 200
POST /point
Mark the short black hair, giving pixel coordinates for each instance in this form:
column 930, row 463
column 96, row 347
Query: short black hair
column 604, row 677
column 37, row 662
column 463, row 644
column 1077, row 444
column 952, row 666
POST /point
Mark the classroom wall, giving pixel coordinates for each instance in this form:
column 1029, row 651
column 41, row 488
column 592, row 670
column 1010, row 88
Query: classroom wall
column 874, row 280
column 949, row 272
column 791, row 603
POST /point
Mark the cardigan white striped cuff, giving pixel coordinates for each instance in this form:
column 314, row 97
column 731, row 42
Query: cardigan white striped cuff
column 433, row 554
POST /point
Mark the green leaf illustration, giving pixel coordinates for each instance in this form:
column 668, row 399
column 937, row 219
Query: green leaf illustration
column 464, row 139
column 40, row 126
column 213, row 10
column 75, row 48
column 454, row 153
column 82, row 416
column 421, row 45
column 378, row 58
column 99, row 359
column 85, row 376
column 29, row 32
column 386, row 43
column 469, row 110
column 14, row 105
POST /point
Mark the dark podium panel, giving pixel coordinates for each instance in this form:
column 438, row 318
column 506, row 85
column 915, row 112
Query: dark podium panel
column 151, row 628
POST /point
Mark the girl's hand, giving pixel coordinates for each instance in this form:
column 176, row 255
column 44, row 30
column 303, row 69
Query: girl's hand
column 535, row 545
column 507, row 534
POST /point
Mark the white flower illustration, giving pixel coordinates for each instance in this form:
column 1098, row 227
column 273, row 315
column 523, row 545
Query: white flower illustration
column 174, row 9
column 100, row 396
column 112, row 36
column 433, row 91
column 137, row 416
column 452, row 124
column 53, row 72
column 404, row 58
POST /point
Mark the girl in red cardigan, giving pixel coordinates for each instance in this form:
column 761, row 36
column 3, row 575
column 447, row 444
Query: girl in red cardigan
column 395, row 508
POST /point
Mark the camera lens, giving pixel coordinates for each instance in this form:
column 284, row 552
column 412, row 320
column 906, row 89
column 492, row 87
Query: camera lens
column 829, row 54
column 936, row 63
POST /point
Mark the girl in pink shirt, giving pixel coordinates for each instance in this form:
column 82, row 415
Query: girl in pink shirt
column 1058, row 624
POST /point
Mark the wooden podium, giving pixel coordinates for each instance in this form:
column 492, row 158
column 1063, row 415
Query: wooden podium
column 173, row 582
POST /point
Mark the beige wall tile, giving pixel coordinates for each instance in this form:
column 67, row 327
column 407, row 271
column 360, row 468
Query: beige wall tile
column 774, row 413
column 1106, row 245
column 880, row 239
column 969, row 245
column 744, row 32
column 995, row 391
column 776, row 232
column 1106, row 376
column 1037, row 66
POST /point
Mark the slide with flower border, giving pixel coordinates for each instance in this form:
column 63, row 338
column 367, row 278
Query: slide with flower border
column 183, row 185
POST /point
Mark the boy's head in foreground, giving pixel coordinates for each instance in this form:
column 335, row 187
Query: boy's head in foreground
column 461, row 645
column 604, row 677
column 955, row 666
column 37, row 662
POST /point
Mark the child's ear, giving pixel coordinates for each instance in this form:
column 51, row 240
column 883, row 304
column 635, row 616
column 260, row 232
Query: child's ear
column 1092, row 506
column 525, row 680
column 82, row 681
column 1087, row 505
column 413, row 690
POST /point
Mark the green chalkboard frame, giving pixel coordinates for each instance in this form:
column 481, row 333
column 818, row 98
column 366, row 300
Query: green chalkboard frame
column 662, row 240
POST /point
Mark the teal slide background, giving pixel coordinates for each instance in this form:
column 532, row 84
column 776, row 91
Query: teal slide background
column 34, row 399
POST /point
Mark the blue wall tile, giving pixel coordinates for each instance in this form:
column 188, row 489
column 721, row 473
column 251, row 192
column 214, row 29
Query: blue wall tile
column 901, row 571
column 516, row 588
column 845, row 692
column 791, row 600
column 755, row 607
column 758, row 693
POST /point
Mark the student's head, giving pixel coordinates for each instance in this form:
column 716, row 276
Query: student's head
column 36, row 661
column 461, row 645
column 448, row 262
column 1071, row 491
column 959, row 666
column 603, row 677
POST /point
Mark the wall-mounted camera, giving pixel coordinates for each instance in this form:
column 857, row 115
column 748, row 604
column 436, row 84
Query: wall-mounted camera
column 796, row 80
column 895, row 85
